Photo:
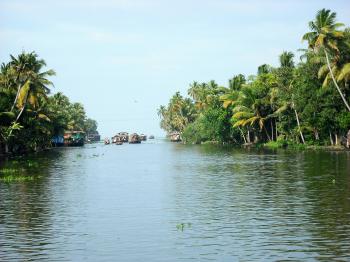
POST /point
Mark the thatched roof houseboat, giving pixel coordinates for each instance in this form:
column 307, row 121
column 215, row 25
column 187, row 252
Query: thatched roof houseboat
column 175, row 137
column 134, row 139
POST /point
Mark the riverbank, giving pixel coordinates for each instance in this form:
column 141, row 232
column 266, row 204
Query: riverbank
column 30, row 117
column 276, row 145
column 291, row 145
column 295, row 102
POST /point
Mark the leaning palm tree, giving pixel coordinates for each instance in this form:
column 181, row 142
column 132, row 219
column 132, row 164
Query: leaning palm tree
column 324, row 36
column 25, row 65
column 35, row 86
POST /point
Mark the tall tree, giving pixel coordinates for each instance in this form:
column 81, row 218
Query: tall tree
column 324, row 36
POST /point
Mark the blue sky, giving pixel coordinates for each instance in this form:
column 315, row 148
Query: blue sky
column 124, row 58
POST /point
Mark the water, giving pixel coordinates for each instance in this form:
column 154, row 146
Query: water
column 160, row 201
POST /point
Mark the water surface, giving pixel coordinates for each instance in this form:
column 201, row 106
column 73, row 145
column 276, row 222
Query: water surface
column 160, row 201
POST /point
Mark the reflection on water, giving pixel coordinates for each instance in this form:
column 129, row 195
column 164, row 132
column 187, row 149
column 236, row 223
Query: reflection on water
column 163, row 202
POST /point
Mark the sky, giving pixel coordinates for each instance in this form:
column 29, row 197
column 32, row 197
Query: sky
column 122, row 59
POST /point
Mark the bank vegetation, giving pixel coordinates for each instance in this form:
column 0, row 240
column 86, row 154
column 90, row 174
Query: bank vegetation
column 303, row 103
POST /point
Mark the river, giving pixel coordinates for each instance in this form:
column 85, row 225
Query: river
column 160, row 201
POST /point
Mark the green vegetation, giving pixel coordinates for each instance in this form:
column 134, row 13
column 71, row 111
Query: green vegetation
column 20, row 170
column 290, row 105
column 29, row 116
column 181, row 226
column 16, row 178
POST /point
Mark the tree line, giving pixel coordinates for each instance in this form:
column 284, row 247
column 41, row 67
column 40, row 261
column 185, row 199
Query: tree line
column 303, row 103
column 29, row 115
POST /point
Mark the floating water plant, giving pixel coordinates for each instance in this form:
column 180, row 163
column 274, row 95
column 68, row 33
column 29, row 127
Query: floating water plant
column 182, row 226
column 16, row 178
column 32, row 163
column 9, row 171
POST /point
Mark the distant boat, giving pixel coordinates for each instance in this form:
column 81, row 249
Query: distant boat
column 134, row 139
column 175, row 137
column 93, row 137
column 74, row 138
column 107, row 141
column 151, row 137
column 143, row 137
column 121, row 136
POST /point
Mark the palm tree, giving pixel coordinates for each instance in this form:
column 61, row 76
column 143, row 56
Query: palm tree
column 251, row 110
column 36, row 82
column 324, row 35
column 286, row 59
column 236, row 82
column 23, row 65
column 231, row 94
column 264, row 69
column 286, row 82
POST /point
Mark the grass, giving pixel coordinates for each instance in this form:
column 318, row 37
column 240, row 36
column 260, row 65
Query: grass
column 284, row 144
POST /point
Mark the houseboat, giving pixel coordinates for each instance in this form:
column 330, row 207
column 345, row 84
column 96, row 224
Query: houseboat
column 57, row 141
column 74, row 138
column 93, row 137
column 175, row 137
column 134, row 139
column 123, row 136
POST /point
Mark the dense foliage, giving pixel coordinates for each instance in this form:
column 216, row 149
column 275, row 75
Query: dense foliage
column 305, row 103
column 29, row 116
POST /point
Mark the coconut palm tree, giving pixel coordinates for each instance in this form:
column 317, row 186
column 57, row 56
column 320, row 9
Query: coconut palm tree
column 252, row 109
column 285, row 71
column 31, row 80
column 231, row 94
column 325, row 36
column 237, row 82
column 264, row 69
column 286, row 59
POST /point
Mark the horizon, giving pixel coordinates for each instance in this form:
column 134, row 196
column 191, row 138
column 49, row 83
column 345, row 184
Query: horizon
column 123, row 59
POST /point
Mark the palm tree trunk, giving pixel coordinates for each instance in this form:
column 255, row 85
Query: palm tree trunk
column 272, row 132
column 16, row 98
column 17, row 94
column 248, row 136
column 336, row 139
column 335, row 82
column 317, row 136
column 331, row 138
column 24, row 105
column 276, row 135
column 297, row 117
column 267, row 134
column 245, row 141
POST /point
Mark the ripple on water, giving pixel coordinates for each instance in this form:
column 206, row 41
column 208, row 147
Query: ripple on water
column 102, row 203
